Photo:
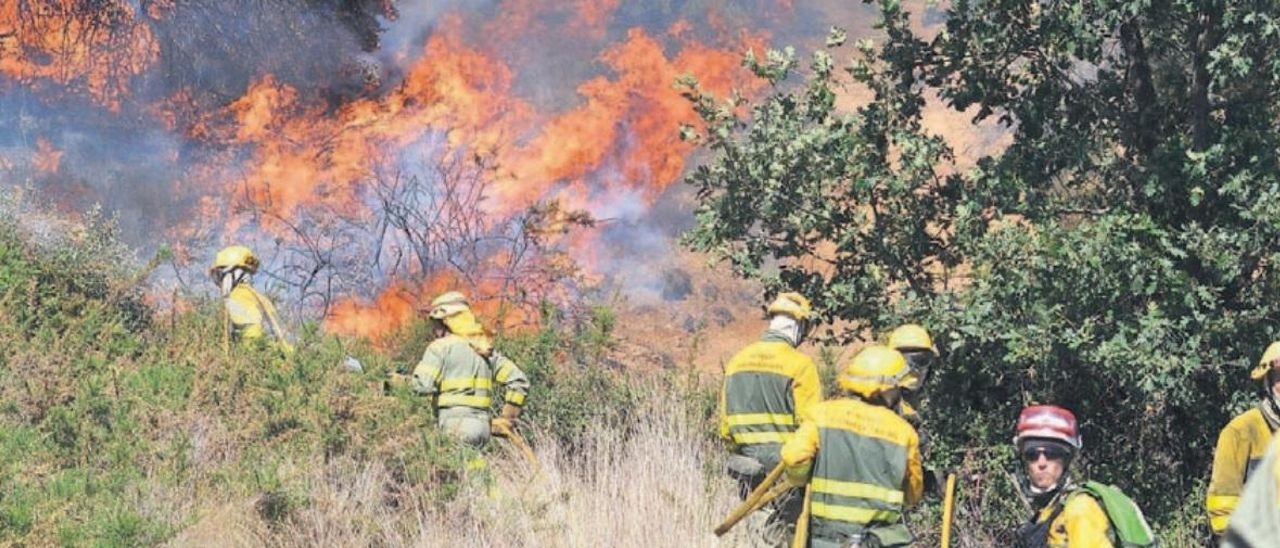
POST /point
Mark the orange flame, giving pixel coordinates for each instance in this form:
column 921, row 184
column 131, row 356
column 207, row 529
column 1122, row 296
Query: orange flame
column 394, row 308
column 94, row 49
column 303, row 155
column 283, row 147
column 630, row 121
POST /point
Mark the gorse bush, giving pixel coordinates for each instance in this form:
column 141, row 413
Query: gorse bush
column 120, row 429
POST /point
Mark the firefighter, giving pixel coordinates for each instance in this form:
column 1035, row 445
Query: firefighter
column 1048, row 440
column 1242, row 443
column 769, row 388
column 916, row 346
column 459, row 370
column 859, row 457
column 244, row 308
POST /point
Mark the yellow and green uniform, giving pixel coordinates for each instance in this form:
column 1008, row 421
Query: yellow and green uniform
column 462, row 381
column 1241, row 445
column 1256, row 521
column 246, row 312
column 769, row 389
column 1072, row 519
column 864, row 462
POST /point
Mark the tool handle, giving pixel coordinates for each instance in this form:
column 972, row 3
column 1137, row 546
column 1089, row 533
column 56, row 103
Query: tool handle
column 802, row 523
column 759, row 496
column 948, row 508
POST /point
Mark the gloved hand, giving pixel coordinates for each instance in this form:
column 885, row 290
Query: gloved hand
column 797, row 474
column 394, row 382
column 500, row 427
column 931, row 484
column 510, row 411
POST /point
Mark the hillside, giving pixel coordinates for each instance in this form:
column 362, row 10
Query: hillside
column 125, row 425
column 122, row 425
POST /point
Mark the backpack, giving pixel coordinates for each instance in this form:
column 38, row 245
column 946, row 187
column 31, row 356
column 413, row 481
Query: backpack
column 1126, row 518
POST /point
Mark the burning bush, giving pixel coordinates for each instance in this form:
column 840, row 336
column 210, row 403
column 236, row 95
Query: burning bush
column 122, row 425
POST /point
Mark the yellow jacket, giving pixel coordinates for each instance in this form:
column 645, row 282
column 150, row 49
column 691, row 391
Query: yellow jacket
column 1082, row 523
column 1241, row 445
column 769, row 389
column 1256, row 521
column 865, row 467
column 246, row 311
column 452, row 370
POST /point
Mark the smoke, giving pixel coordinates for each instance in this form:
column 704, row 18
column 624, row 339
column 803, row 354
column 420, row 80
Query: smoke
column 285, row 124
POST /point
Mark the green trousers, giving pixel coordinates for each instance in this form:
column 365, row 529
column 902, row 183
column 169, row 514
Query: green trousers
column 467, row 424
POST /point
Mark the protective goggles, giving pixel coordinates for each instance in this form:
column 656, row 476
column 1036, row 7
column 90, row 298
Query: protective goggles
column 1051, row 452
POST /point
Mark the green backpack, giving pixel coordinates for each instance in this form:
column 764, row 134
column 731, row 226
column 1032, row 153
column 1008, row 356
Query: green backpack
column 1126, row 518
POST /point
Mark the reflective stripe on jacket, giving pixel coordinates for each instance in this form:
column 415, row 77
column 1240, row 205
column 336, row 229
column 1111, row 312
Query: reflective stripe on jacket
column 1082, row 523
column 865, row 467
column 1241, row 446
column 461, row 377
column 769, row 389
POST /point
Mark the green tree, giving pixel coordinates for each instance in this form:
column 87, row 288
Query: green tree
column 1117, row 257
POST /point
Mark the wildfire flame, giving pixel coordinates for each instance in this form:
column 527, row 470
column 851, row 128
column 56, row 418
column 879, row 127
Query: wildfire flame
column 465, row 82
column 95, row 48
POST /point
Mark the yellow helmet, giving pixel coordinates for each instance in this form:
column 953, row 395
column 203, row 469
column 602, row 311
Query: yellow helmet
column 1267, row 362
column 911, row 337
column 449, row 304
column 791, row 304
column 874, row 369
column 232, row 257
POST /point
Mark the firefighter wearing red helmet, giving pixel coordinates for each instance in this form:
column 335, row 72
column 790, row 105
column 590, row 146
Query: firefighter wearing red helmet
column 1048, row 440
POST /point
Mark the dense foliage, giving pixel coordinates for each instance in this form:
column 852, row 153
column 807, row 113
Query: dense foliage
column 122, row 426
column 1118, row 256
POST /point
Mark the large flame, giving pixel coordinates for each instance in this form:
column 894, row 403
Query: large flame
column 565, row 103
column 64, row 43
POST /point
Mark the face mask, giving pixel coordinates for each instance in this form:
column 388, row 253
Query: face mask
column 230, row 279
column 788, row 326
column 227, row 283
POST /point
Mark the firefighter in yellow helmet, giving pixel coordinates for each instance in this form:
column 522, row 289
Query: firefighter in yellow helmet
column 245, row 309
column 1243, row 442
column 460, row 368
column 860, row 459
column 915, row 344
column 769, row 389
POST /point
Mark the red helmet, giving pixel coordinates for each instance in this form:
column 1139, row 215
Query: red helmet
column 1047, row 422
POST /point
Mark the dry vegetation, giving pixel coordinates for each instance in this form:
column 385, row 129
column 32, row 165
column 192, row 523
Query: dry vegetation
column 615, row 490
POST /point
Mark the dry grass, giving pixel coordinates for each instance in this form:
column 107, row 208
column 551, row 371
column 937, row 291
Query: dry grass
column 654, row 481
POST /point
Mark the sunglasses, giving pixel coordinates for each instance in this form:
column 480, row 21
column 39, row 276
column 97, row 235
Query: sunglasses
column 1032, row 454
